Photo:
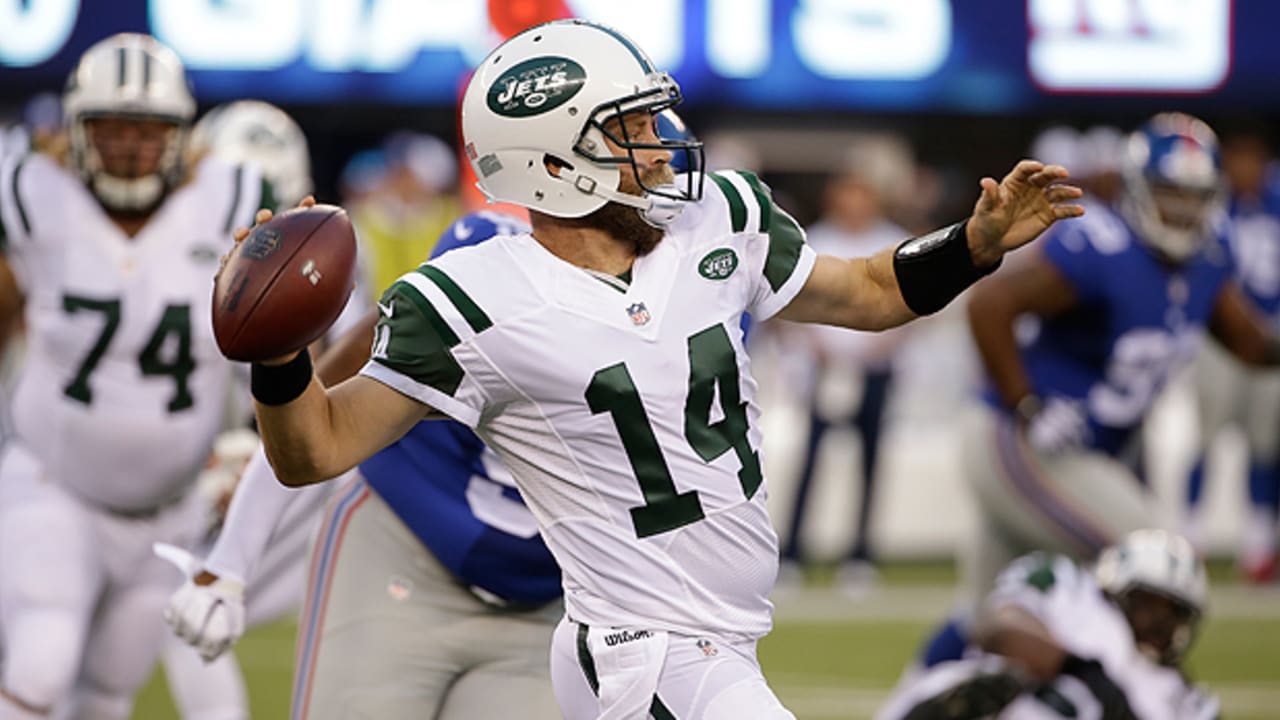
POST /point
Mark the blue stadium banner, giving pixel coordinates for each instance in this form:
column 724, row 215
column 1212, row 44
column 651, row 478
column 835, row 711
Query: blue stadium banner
column 893, row 55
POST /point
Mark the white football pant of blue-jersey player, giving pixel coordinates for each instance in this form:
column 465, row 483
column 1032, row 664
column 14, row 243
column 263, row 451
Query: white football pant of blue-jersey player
column 429, row 586
column 1122, row 300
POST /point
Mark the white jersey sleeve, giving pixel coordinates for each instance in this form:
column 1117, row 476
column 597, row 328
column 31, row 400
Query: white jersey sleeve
column 256, row 508
column 777, row 258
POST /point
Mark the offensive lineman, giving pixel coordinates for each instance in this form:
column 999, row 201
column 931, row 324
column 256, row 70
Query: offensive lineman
column 1056, row 641
column 600, row 358
column 123, row 387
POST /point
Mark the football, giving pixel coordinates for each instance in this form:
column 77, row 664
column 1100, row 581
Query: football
column 285, row 284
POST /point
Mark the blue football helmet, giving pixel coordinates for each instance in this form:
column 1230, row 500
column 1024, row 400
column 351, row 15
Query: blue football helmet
column 687, row 155
column 1173, row 184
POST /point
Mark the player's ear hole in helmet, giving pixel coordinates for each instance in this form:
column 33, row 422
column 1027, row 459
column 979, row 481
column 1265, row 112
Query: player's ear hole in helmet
column 128, row 109
column 548, row 123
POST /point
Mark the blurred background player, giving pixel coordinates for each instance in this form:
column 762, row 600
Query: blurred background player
column 430, row 586
column 1122, row 300
column 260, row 134
column 1054, row 640
column 850, row 373
column 1228, row 392
column 110, row 246
column 413, row 201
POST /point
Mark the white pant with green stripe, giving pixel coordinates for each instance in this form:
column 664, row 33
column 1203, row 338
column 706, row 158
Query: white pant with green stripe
column 1073, row 502
column 603, row 673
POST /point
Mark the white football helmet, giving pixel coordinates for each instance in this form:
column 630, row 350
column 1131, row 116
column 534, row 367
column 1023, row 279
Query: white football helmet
column 128, row 75
column 1173, row 184
column 1162, row 563
column 263, row 134
column 545, row 95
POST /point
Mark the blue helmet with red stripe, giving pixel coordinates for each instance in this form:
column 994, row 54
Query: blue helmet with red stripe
column 1174, row 186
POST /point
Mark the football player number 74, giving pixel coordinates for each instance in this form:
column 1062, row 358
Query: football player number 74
column 175, row 322
column 712, row 364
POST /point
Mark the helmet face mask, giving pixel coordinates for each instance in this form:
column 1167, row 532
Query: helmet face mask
column 1158, row 581
column 544, row 121
column 128, row 78
column 1173, row 184
column 610, row 120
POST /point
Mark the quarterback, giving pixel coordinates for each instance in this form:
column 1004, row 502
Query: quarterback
column 107, row 252
column 600, row 357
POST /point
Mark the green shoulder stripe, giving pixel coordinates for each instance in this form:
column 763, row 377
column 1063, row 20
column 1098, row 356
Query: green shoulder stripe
column 763, row 198
column 267, row 196
column 786, row 240
column 416, row 348
column 737, row 208
column 471, row 312
column 236, row 182
column 17, row 198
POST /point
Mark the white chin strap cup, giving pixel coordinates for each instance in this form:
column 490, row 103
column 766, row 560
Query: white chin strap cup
column 656, row 210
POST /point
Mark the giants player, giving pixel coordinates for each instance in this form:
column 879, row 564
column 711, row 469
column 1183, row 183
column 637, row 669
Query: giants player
column 1122, row 299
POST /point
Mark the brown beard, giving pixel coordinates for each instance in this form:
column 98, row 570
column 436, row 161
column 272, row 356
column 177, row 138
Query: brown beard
column 623, row 222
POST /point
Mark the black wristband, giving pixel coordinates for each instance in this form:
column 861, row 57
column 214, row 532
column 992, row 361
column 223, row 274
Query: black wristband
column 280, row 384
column 933, row 269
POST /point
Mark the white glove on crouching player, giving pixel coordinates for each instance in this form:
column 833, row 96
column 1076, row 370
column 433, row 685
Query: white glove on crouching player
column 207, row 614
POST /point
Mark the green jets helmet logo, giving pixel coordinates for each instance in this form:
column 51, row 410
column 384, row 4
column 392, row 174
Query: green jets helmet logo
column 536, row 86
column 718, row 264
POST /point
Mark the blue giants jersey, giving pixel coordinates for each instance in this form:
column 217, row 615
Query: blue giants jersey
column 452, row 492
column 1255, row 245
column 1135, row 321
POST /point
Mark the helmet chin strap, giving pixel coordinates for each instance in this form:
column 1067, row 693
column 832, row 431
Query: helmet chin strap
column 656, row 210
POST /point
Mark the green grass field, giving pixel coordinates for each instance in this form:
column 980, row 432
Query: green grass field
column 832, row 657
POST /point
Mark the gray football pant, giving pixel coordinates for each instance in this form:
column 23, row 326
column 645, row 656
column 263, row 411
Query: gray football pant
column 1074, row 502
column 387, row 633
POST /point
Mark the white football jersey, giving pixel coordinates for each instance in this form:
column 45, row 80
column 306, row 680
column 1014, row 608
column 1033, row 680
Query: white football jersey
column 123, row 388
column 625, row 408
column 1065, row 598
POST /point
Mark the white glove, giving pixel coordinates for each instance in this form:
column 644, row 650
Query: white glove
column 1058, row 425
column 210, row 617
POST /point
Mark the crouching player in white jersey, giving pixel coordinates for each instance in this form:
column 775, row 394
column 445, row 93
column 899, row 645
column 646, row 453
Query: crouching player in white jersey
column 600, row 357
column 123, row 388
column 429, row 585
column 1054, row 641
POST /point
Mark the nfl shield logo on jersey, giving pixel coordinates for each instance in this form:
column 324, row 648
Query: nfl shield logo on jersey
column 708, row 650
column 639, row 314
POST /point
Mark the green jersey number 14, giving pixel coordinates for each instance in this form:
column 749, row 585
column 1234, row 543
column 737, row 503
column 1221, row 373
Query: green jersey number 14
column 712, row 365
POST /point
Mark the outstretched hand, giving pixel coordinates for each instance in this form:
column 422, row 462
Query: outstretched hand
column 1014, row 211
